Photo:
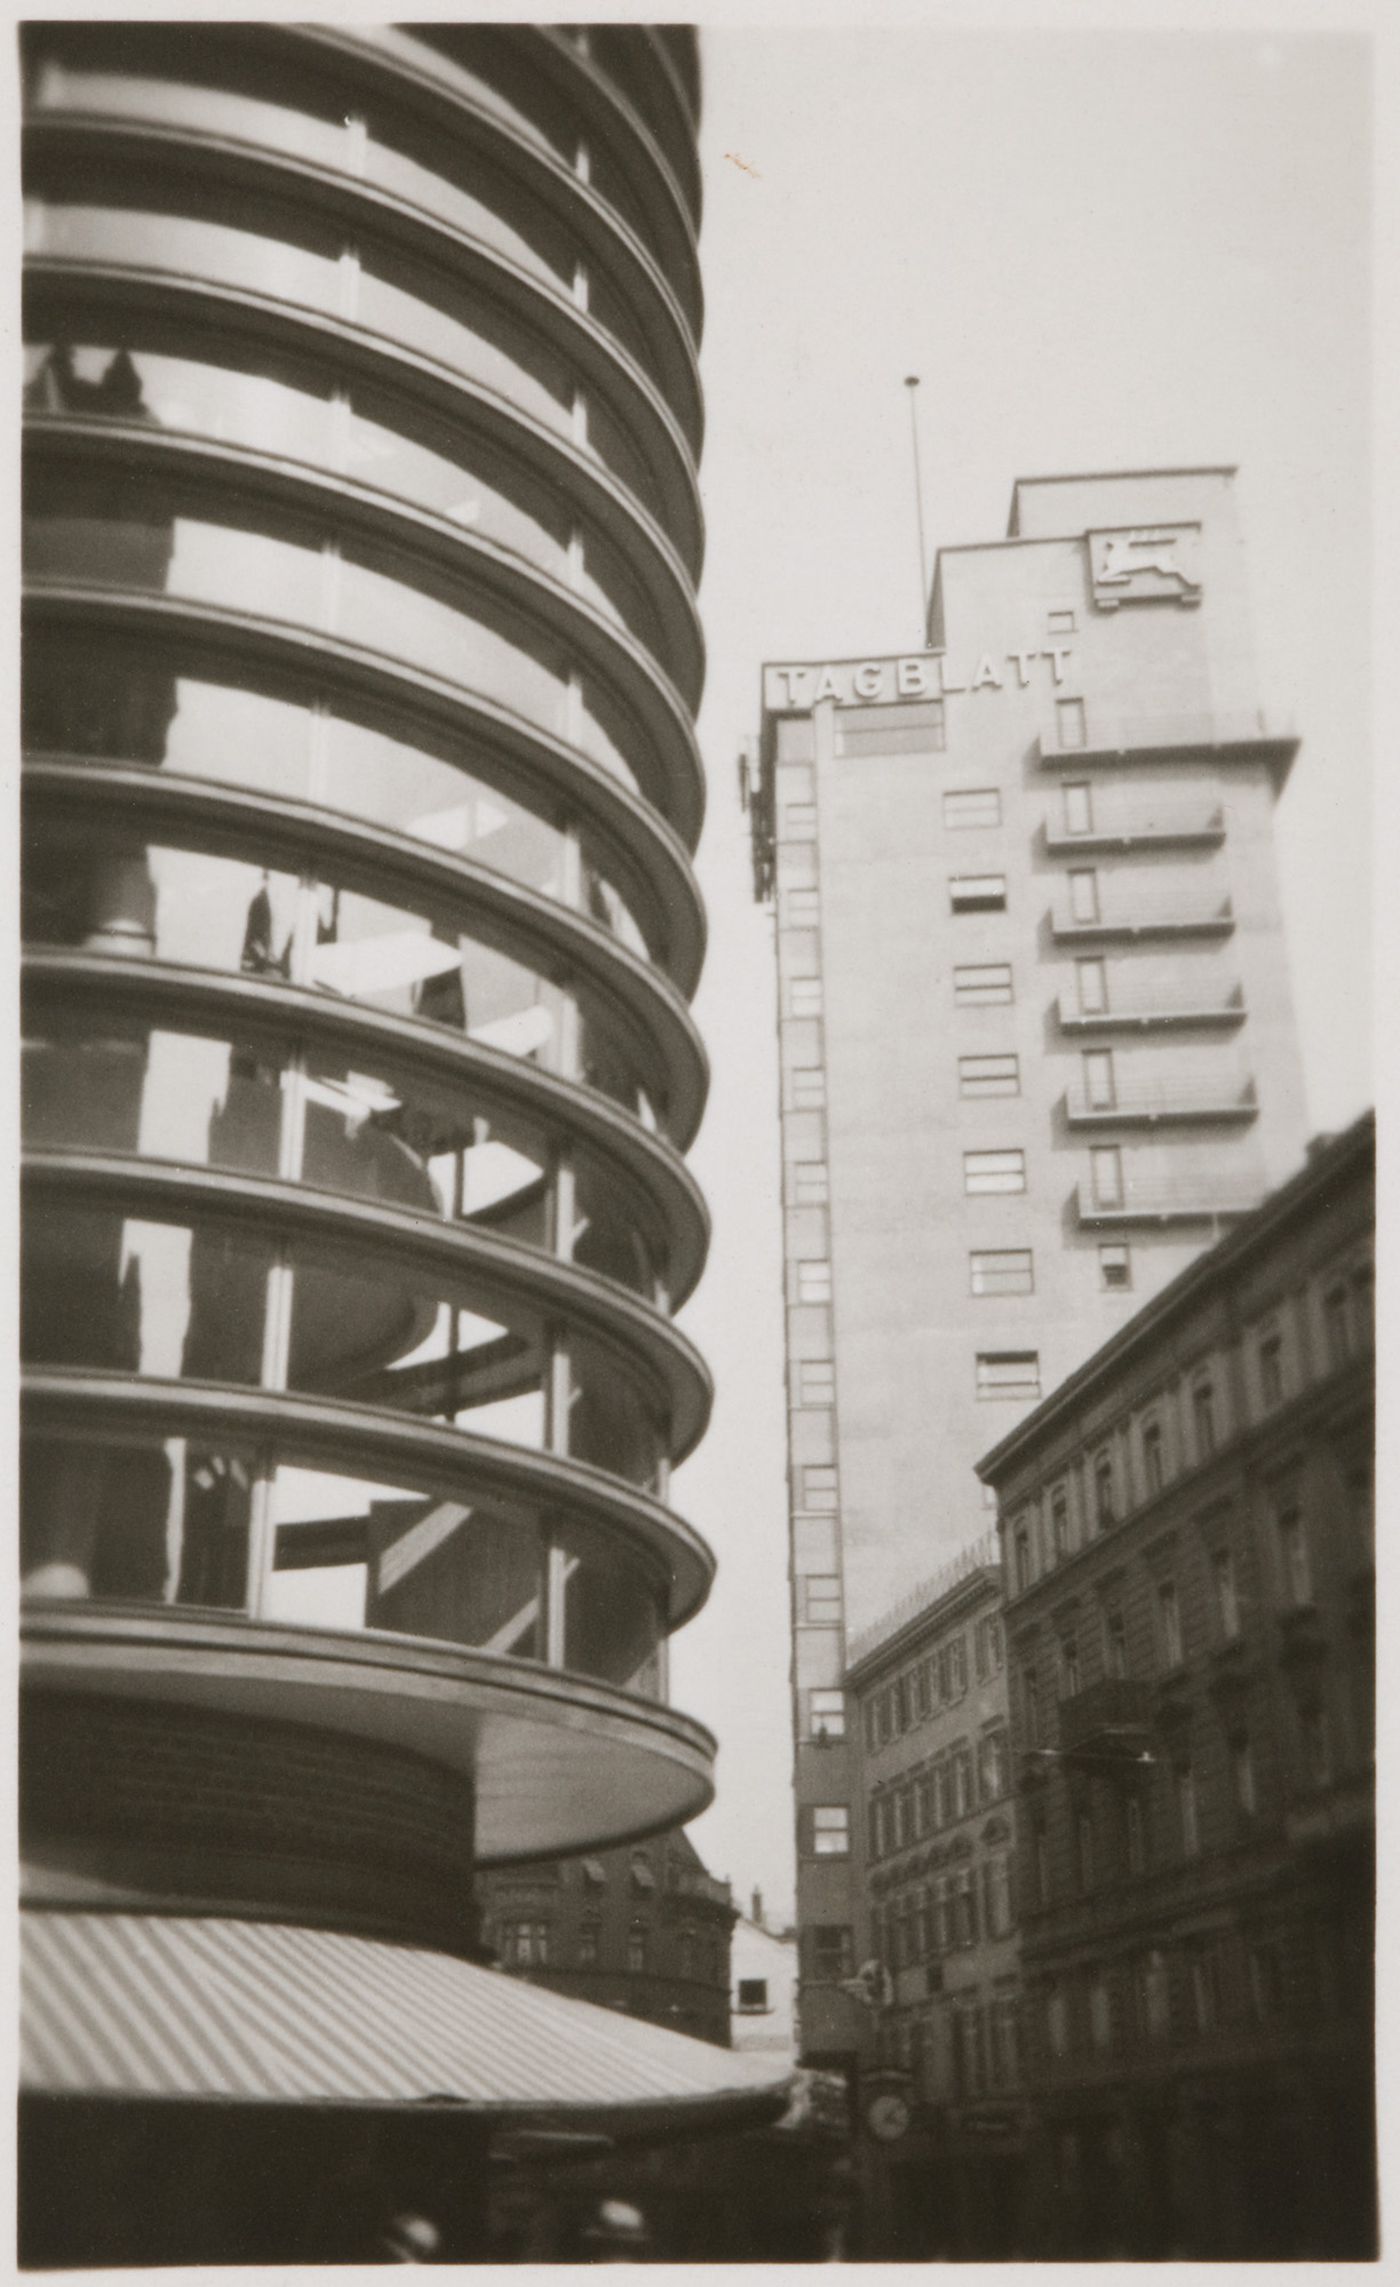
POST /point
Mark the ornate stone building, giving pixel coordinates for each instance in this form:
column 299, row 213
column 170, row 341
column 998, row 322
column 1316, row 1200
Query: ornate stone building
column 1189, row 1565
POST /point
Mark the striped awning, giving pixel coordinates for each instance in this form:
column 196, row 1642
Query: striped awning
column 136, row 2005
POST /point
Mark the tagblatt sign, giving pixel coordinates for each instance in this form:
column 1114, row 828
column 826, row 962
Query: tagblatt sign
column 916, row 675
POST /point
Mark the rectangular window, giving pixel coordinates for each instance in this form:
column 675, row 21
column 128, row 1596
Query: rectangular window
column 753, row 1993
column 985, row 1171
column 801, row 908
column 1227, row 1595
column 1115, row 1644
column 1186, row 1811
column 1040, row 1862
column 1030, row 1701
column 1003, row 1270
column 1271, row 1368
column 1295, row 1563
column 982, row 984
column 1115, row 1268
column 989, row 1076
column 1091, row 984
column 972, row 806
column 814, row 1543
column 1059, row 1523
column 822, row 1598
column 1060, row 621
column 891, row 730
column 819, row 1486
column 1099, row 1092
column 830, row 1954
column 1069, row 722
column 977, row 893
column 872, row 1724
column 1204, row 1996
column 814, row 1282
column 1135, row 1835
column 1242, row 1776
column 1084, row 894
column 1079, row 815
column 1337, row 1315
column 1069, row 1667
column 1153, row 1465
column 1084, row 1849
column 921, row 1703
column 1203, row 1418
column 826, row 1714
column 636, row 1951
column 993, row 1767
column 807, row 1088
column 1169, row 1624
column 1008, row 1373
column 816, row 1382
column 588, row 1944
column 996, row 1883
column 1106, row 1164
column 831, row 1831
column 1023, row 1561
column 798, row 822
column 1105, row 1501
column 811, row 1186
column 804, row 996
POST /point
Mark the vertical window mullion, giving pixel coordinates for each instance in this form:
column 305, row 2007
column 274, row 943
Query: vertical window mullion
column 262, row 1541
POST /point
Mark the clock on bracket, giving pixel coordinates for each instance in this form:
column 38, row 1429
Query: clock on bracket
column 888, row 2115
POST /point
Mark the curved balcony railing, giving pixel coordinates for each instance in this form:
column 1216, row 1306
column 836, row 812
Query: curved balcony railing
column 320, row 242
column 361, row 778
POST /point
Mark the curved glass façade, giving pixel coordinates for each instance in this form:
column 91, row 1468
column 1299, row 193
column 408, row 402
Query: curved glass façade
column 361, row 527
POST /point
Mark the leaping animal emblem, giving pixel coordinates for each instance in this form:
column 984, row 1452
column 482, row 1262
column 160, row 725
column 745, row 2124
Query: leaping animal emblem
column 1124, row 554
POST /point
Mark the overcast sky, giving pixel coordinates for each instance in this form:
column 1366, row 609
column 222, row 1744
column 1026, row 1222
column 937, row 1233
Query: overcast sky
column 1099, row 249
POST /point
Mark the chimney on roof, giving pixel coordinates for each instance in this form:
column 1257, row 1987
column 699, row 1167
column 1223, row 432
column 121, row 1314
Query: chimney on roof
column 757, row 1914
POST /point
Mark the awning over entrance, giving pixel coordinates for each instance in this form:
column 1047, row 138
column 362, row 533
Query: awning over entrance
column 135, row 2005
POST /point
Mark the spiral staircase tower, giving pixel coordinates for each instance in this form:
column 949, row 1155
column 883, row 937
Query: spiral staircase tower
column 361, row 784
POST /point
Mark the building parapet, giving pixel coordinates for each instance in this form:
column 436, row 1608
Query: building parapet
column 975, row 1557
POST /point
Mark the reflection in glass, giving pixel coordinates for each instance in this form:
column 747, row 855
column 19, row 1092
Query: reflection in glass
column 612, row 1234
column 127, row 1086
column 611, row 1610
column 609, row 1424
column 148, row 1297
column 93, row 538
column 417, row 309
column 409, row 1142
column 306, row 276
column 159, row 1522
column 371, row 775
column 351, row 1553
column 388, row 1334
column 545, row 249
column 123, row 895
column 125, row 93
